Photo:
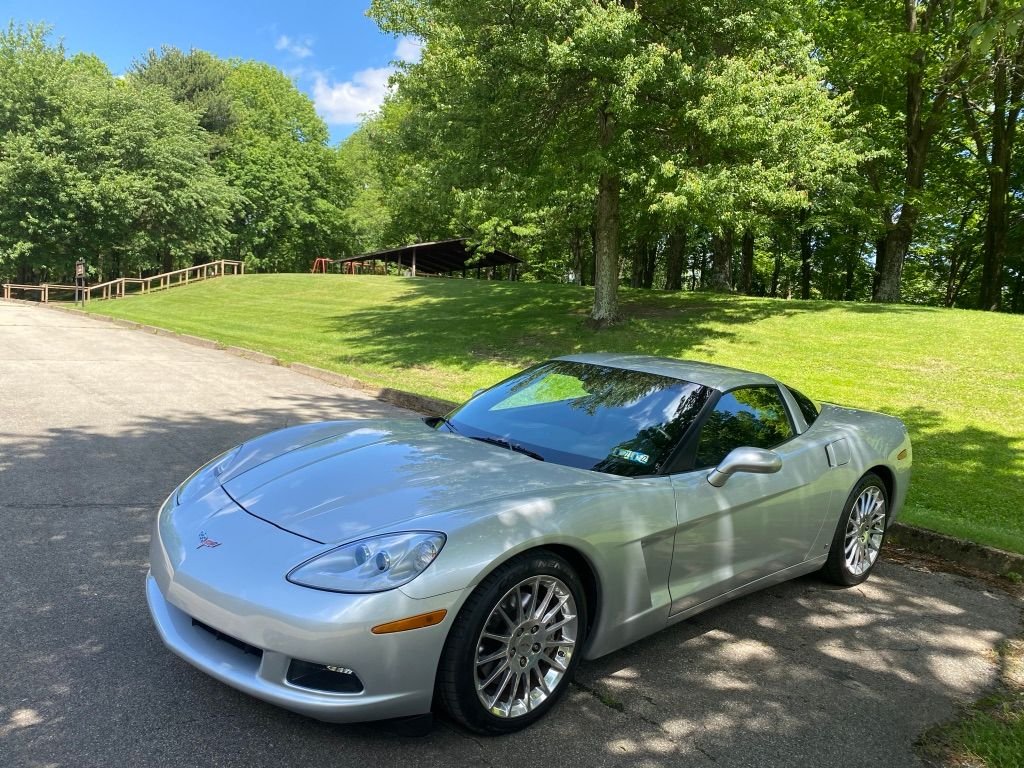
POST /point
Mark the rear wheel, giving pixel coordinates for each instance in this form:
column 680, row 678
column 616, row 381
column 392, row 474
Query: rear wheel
column 515, row 645
column 860, row 533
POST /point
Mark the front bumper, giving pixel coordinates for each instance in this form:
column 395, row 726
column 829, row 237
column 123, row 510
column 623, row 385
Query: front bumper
column 261, row 623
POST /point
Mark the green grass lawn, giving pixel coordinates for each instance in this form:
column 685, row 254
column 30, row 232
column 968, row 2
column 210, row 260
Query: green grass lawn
column 955, row 377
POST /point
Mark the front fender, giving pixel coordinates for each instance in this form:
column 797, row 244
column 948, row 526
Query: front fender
column 623, row 530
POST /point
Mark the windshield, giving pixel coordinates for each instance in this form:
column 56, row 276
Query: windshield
column 583, row 415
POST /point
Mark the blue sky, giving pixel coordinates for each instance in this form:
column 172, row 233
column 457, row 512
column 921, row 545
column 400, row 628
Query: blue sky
column 331, row 49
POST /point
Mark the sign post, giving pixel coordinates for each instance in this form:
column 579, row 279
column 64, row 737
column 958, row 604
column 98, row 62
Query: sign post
column 80, row 281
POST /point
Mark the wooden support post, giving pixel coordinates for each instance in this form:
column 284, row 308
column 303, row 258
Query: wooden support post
column 414, row 262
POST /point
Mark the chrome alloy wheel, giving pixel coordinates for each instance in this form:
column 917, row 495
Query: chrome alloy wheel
column 523, row 652
column 864, row 530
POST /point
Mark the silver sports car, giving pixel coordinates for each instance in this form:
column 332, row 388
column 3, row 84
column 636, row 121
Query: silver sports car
column 361, row 570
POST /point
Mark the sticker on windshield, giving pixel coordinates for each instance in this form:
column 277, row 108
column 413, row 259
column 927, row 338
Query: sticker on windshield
column 635, row 456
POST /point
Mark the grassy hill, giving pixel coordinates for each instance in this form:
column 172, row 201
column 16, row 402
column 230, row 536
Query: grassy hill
column 955, row 377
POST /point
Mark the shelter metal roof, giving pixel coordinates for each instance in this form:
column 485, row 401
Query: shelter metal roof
column 439, row 257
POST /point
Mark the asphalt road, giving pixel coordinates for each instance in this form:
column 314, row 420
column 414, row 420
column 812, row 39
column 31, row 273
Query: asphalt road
column 98, row 423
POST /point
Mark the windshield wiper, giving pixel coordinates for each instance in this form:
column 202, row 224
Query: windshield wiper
column 503, row 443
column 434, row 421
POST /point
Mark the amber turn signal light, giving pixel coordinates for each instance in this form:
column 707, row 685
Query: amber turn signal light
column 413, row 622
column 901, row 455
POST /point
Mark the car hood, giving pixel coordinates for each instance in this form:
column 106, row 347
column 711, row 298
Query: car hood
column 340, row 480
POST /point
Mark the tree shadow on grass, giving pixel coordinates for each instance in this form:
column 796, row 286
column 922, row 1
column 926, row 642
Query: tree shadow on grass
column 799, row 674
column 462, row 323
column 967, row 481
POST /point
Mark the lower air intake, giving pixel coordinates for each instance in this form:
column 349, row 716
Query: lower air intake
column 320, row 677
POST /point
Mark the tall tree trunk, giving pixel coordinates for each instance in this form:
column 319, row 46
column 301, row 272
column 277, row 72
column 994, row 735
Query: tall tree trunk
column 876, row 277
column 896, row 245
column 721, row 267
column 674, row 259
column 639, row 262
column 606, row 234
column 650, row 259
column 747, row 262
column 851, row 267
column 996, row 228
column 776, row 274
column 576, row 248
column 806, row 254
column 920, row 127
column 1017, row 296
column 1007, row 91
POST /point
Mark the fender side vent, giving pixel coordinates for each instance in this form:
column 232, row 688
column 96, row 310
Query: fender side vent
column 838, row 452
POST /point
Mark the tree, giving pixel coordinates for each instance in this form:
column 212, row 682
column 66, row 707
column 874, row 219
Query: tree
column 617, row 98
column 196, row 78
column 97, row 168
column 159, row 201
column 903, row 64
column 293, row 193
column 560, row 78
column 367, row 212
column 991, row 101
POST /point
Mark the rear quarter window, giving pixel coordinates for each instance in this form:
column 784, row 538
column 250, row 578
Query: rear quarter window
column 807, row 407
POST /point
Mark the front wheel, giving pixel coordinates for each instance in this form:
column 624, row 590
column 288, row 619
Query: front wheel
column 860, row 533
column 515, row 645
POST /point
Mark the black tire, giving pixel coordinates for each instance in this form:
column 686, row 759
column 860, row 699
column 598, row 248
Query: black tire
column 456, row 674
column 836, row 569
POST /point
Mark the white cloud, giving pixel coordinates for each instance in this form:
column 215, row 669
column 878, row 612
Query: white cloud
column 300, row 49
column 345, row 103
column 409, row 49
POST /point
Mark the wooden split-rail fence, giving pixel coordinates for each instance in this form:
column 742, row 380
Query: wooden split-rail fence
column 113, row 289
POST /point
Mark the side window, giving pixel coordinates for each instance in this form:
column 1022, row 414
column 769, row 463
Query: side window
column 806, row 406
column 752, row 416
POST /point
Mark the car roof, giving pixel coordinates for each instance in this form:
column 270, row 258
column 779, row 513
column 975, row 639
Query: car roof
column 717, row 377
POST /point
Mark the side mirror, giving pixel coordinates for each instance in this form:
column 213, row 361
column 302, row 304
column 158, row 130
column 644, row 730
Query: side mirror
column 477, row 393
column 756, row 460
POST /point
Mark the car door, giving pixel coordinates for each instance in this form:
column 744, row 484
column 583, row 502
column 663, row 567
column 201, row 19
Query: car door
column 755, row 524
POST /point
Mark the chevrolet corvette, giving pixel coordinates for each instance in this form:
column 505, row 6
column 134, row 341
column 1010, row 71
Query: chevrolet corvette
column 374, row 569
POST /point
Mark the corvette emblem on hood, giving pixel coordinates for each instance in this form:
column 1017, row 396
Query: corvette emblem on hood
column 206, row 541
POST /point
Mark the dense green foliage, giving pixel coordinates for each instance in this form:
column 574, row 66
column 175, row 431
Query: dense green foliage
column 847, row 149
column 186, row 159
column 834, row 149
column 956, row 377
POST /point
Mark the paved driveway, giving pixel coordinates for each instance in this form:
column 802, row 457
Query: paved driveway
column 97, row 423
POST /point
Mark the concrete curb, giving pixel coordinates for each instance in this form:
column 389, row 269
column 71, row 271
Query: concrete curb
column 251, row 354
column 429, row 406
column 967, row 553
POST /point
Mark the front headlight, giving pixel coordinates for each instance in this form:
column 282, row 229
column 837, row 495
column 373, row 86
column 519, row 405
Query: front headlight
column 376, row 564
column 206, row 478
